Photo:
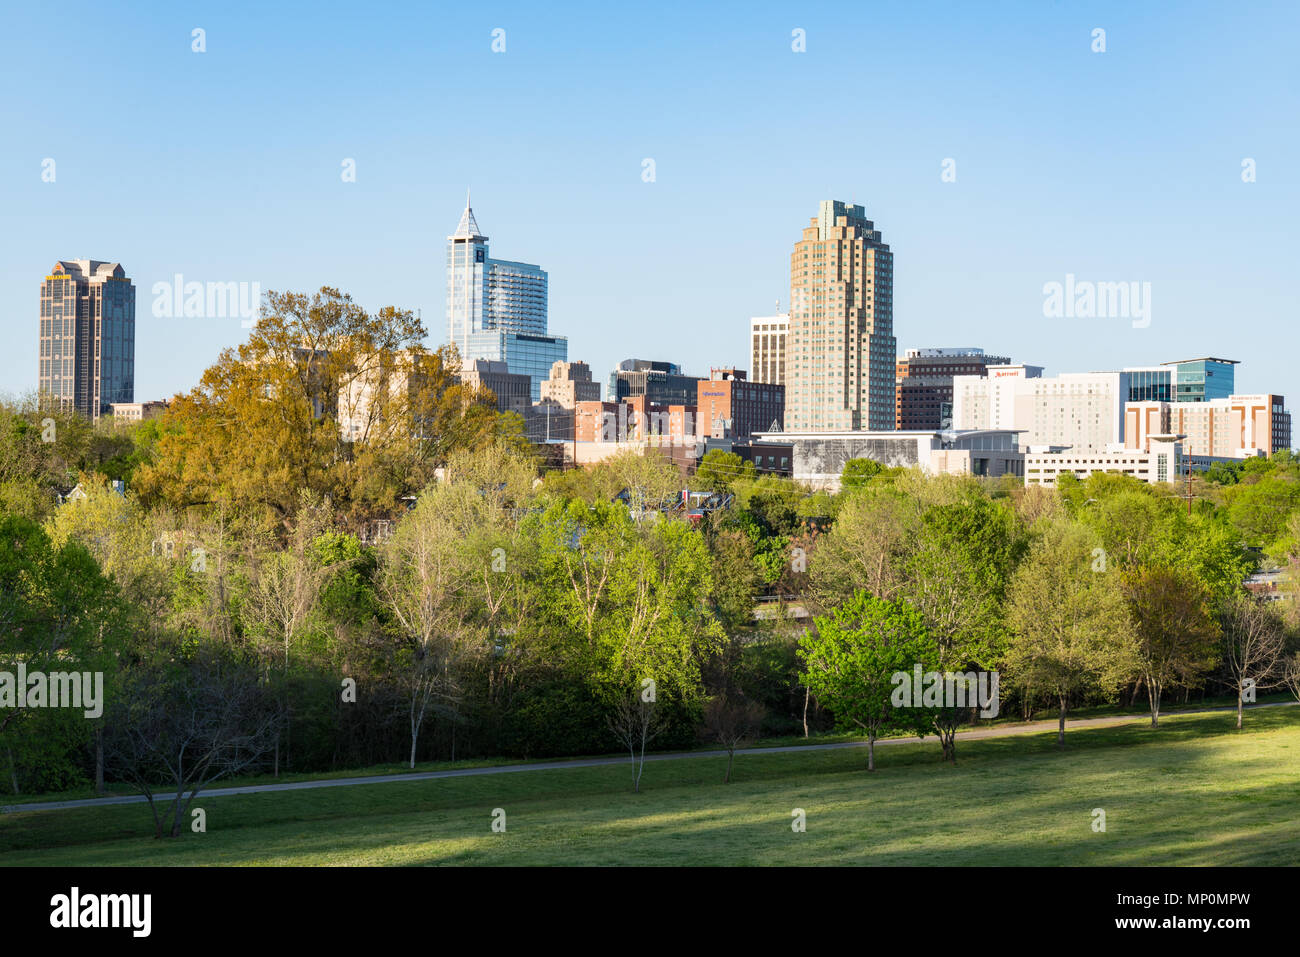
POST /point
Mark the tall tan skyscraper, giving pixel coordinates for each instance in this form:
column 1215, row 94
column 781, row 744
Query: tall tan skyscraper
column 839, row 367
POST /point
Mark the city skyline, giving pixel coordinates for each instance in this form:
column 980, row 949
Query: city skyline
column 729, row 415
column 1066, row 175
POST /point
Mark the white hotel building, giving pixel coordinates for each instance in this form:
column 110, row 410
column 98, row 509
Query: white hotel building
column 1079, row 410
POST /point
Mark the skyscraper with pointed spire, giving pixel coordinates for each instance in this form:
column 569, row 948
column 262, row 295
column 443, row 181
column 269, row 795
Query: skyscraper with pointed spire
column 467, row 257
column 496, row 308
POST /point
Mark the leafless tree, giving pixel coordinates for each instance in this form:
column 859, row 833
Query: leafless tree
column 1255, row 643
column 733, row 723
column 181, row 727
column 635, row 722
column 284, row 588
column 285, row 582
column 1291, row 675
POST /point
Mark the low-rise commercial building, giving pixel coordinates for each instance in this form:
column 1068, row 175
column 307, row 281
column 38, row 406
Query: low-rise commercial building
column 732, row 407
column 605, row 429
column 1162, row 461
column 819, row 457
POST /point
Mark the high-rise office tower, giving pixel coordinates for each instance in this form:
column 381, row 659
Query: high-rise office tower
column 87, row 341
column 467, row 266
column 496, row 309
column 839, row 368
column 768, row 336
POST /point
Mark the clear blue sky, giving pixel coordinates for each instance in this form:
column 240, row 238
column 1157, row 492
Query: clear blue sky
column 225, row 166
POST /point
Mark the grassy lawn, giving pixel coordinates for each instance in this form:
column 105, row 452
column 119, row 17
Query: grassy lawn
column 1193, row 792
column 794, row 740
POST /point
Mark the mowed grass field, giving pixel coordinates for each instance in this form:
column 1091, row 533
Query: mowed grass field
column 1193, row 792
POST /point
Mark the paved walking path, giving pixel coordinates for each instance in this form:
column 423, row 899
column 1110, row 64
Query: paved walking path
column 1033, row 727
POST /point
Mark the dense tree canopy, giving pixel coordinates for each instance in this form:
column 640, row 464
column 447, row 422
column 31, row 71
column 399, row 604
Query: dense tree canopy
column 369, row 559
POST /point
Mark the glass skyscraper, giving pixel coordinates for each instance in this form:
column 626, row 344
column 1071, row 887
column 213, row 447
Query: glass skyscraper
column 1200, row 380
column 467, row 267
column 87, row 336
column 496, row 308
column 1185, row 380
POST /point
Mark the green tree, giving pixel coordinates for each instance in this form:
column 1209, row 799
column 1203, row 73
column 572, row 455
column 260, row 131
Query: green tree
column 58, row 613
column 1260, row 504
column 124, row 537
column 1070, row 627
column 858, row 472
column 719, row 470
column 737, row 580
column 956, row 576
column 425, row 573
column 868, row 547
column 1177, row 633
column 625, row 600
column 852, row 656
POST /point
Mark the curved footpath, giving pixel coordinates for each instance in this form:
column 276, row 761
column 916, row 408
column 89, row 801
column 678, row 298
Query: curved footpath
column 1032, row 727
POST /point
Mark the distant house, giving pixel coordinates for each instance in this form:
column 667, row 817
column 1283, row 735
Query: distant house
column 136, row 411
column 78, row 492
column 1268, row 585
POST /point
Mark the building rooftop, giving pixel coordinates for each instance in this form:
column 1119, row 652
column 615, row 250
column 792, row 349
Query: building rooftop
column 467, row 228
column 88, row 268
column 941, row 353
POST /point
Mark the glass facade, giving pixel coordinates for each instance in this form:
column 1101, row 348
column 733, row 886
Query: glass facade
column 516, row 297
column 115, row 344
column 496, row 309
column 523, row 354
column 1199, row 380
column 467, row 289
column 1150, row 385
column 87, row 336
column 660, row 382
